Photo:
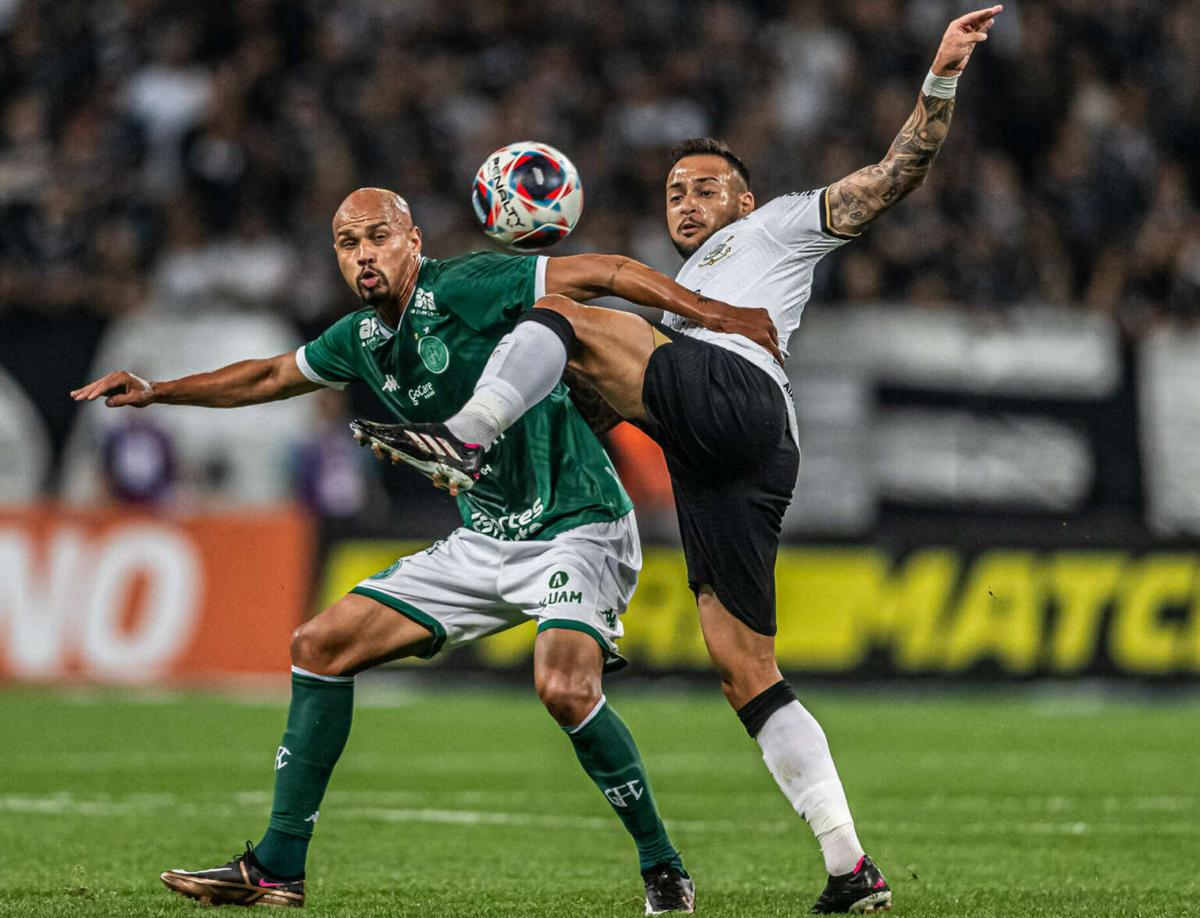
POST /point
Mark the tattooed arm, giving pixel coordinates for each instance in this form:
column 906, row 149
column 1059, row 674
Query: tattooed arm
column 855, row 201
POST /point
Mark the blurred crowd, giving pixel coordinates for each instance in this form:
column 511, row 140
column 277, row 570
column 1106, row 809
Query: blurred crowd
column 159, row 155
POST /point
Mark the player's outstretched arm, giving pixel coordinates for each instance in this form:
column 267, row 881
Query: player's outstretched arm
column 248, row 382
column 862, row 196
column 585, row 277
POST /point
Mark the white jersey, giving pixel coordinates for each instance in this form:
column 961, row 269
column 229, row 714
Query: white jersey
column 765, row 259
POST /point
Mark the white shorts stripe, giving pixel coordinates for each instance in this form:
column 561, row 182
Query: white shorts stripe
column 304, row 672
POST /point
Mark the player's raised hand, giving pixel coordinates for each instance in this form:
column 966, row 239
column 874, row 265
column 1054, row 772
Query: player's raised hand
column 960, row 40
column 118, row 388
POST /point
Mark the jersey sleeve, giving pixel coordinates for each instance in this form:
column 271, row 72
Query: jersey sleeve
column 489, row 289
column 328, row 360
column 801, row 220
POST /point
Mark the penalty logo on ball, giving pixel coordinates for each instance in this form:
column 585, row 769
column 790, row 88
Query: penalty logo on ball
column 527, row 195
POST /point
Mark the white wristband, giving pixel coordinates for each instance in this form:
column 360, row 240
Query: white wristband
column 941, row 87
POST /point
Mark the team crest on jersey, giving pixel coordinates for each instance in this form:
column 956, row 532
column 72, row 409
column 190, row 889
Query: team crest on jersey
column 434, row 354
column 721, row 251
column 423, row 303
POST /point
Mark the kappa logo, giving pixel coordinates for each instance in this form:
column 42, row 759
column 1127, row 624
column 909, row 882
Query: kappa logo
column 722, row 251
column 621, row 794
column 610, row 617
column 281, row 755
column 390, row 384
column 314, row 817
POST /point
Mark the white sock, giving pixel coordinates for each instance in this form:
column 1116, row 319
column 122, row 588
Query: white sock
column 797, row 755
column 523, row 369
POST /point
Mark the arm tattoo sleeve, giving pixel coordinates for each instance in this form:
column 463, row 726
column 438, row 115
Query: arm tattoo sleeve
column 863, row 195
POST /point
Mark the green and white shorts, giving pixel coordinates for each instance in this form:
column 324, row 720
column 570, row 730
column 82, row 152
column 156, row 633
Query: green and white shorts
column 469, row 585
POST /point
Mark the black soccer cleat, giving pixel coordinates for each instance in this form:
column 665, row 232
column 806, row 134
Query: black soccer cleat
column 430, row 448
column 859, row 892
column 668, row 889
column 240, row 882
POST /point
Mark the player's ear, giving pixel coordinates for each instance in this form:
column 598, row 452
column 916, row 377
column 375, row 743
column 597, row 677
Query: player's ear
column 416, row 238
column 745, row 203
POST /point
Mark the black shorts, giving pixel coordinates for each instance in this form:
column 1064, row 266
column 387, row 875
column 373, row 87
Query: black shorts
column 723, row 424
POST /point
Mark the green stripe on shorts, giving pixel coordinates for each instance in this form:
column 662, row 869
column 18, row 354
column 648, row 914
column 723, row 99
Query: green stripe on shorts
column 409, row 611
column 612, row 660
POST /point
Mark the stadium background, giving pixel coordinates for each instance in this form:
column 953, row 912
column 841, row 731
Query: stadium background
column 990, row 590
column 999, row 387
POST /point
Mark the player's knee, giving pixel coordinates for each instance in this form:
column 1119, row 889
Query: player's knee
column 309, row 650
column 563, row 305
column 560, row 315
column 745, row 677
column 568, row 698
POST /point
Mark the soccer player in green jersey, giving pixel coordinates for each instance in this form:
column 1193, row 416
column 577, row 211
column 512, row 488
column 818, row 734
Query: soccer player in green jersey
column 548, row 533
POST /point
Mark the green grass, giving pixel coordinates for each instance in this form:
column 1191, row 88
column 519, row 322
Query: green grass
column 471, row 803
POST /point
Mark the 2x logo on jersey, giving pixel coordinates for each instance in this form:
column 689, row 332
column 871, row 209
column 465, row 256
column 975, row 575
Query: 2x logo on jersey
column 423, row 303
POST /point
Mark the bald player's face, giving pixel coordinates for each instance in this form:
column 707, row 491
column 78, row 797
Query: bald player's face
column 378, row 248
column 704, row 194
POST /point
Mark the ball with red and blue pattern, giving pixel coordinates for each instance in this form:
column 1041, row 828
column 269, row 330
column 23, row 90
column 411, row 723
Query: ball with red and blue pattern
column 527, row 195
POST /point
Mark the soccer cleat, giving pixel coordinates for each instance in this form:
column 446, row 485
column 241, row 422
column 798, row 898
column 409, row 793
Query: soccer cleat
column 240, row 882
column 430, row 448
column 859, row 892
column 668, row 889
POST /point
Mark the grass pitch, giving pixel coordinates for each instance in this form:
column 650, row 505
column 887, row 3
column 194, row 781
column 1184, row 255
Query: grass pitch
column 470, row 803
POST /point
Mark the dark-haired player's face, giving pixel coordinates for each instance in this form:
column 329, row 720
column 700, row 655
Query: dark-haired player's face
column 704, row 194
column 377, row 246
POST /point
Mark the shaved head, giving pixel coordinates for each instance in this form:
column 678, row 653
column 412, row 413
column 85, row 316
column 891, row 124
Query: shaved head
column 378, row 248
column 373, row 204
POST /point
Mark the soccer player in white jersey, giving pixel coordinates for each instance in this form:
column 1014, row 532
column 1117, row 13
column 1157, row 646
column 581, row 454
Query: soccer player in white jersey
column 720, row 406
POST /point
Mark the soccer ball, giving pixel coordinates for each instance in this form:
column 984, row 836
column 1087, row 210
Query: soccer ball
column 527, row 195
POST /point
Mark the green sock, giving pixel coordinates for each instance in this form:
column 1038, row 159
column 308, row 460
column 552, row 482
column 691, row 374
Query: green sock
column 317, row 728
column 607, row 752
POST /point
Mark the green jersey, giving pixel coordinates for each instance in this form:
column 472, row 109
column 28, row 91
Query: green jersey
column 547, row 472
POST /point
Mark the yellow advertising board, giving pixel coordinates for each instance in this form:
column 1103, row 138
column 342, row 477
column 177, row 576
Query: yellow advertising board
column 936, row 611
